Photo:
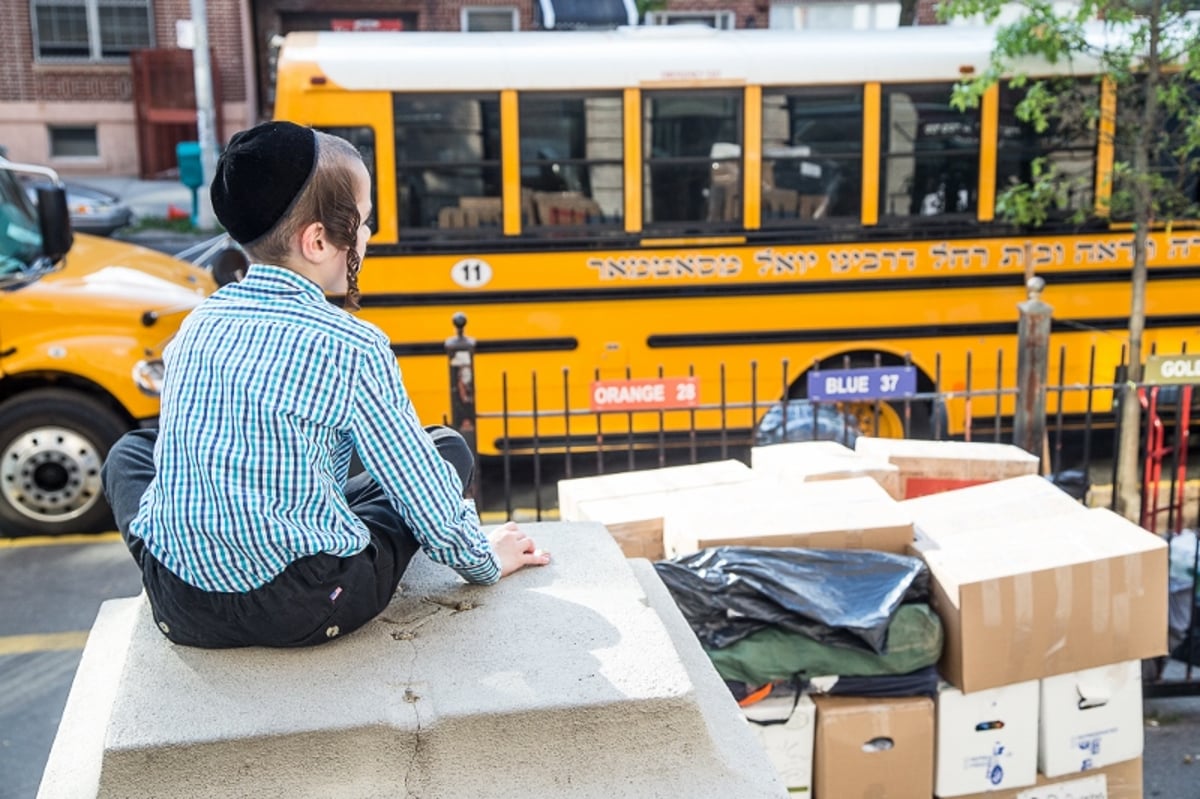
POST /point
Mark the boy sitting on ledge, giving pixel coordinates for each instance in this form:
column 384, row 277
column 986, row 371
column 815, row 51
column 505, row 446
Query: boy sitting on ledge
column 238, row 509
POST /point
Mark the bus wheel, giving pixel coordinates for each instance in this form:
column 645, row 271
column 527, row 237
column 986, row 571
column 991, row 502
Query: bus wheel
column 926, row 418
column 52, row 444
column 886, row 422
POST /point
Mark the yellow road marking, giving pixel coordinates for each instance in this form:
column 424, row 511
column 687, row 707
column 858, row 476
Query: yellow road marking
column 46, row 642
column 59, row 540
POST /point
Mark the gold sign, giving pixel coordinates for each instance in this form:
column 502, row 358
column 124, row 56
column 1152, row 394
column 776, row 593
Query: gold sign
column 1173, row 369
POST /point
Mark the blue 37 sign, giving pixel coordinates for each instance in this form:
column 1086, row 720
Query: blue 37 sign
column 870, row 383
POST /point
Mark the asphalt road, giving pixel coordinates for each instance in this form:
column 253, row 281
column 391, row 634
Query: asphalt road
column 49, row 596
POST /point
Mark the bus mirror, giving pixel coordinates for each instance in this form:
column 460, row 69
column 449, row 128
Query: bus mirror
column 229, row 266
column 55, row 221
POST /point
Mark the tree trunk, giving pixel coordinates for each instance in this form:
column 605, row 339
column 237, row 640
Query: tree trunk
column 1127, row 490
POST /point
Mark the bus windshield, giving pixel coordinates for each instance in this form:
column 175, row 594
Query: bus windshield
column 20, row 237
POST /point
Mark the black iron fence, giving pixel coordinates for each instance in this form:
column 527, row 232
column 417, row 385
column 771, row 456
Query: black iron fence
column 1077, row 434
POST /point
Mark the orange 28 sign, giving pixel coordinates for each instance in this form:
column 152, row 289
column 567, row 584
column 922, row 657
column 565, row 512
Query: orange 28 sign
column 648, row 394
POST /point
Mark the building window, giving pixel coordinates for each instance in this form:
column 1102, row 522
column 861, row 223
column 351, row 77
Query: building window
column 831, row 16
column 722, row 20
column 483, row 20
column 74, row 142
column 90, row 30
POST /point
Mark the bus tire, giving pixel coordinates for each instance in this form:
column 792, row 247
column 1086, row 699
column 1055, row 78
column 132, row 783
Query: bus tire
column 52, row 445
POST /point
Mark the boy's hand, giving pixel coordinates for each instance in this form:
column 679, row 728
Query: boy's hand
column 515, row 549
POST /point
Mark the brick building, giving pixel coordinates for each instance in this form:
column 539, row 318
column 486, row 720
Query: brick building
column 78, row 93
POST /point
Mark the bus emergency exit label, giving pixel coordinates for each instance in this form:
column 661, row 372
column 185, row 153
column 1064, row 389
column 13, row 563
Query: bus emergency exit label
column 870, row 383
column 651, row 394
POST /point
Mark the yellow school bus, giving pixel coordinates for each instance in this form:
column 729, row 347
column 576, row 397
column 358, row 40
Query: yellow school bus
column 688, row 203
column 83, row 321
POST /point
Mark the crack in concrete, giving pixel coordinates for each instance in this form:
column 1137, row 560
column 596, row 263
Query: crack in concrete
column 409, row 633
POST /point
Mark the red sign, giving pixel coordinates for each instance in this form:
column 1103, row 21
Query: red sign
column 361, row 24
column 651, row 394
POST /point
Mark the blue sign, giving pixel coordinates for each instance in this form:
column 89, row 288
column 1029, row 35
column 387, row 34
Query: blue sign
column 870, row 383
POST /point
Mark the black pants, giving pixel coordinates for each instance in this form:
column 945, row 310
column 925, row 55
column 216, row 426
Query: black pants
column 313, row 600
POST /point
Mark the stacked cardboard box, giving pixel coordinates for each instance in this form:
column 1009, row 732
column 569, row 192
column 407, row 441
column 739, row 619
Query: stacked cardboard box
column 854, row 513
column 873, row 748
column 1048, row 609
column 803, row 461
column 930, row 467
column 1121, row 781
column 679, row 510
column 631, row 504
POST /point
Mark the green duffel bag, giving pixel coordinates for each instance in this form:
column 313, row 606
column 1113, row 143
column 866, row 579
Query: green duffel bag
column 914, row 641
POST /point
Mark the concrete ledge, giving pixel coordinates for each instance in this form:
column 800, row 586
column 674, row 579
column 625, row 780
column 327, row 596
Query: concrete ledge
column 580, row 679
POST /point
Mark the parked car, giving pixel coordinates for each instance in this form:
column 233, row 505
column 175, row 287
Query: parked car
column 92, row 210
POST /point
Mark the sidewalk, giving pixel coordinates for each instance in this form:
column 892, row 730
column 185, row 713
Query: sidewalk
column 1172, row 747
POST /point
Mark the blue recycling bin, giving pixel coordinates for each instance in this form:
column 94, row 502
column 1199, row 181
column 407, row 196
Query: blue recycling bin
column 191, row 172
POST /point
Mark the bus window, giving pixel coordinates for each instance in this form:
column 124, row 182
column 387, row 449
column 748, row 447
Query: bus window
column 812, row 154
column 930, row 153
column 693, row 157
column 448, row 163
column 1177, row 179
column 1068, row 145
column 363, row 139
column 571, row 161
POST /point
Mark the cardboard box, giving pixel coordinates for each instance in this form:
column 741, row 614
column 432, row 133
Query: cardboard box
column 873, row 748
column 1120, row 781
column 646, row 481
column 803, row 461
column 1003, row 502
column 928, row 467
column 1049, row 596
column 636, row 521
column 986, row 740
column 836, row 514
column 1090, row 718
column 786, row 727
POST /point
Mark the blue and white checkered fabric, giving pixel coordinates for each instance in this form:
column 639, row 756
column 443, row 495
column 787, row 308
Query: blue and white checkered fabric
column 268, row 391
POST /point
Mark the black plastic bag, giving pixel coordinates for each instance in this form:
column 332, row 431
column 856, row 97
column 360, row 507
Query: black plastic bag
column 844, row 597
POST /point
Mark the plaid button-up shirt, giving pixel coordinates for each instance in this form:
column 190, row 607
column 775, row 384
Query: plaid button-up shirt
column 268, row 391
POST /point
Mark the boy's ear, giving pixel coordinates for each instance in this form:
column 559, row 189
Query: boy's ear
column 313, row 244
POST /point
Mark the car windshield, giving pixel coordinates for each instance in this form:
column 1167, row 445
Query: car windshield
column 20, row 237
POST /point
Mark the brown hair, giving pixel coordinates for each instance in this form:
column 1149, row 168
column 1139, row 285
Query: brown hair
column 328, row 198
